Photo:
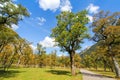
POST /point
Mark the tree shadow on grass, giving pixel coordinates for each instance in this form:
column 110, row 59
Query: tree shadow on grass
column 8, row 74
column 59, row 72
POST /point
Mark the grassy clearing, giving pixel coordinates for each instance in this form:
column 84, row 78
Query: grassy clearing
column 39, row 74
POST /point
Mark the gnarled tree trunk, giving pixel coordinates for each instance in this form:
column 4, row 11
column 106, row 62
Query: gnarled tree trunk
column 116, row 66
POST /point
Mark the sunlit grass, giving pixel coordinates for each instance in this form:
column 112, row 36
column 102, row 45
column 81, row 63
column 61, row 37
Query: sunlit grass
column 39, row 74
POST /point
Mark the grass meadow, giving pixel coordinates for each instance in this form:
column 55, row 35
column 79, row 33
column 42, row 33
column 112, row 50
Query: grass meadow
column 39, row 74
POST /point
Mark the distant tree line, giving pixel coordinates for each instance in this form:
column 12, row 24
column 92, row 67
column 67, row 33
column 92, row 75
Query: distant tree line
column 42, row 59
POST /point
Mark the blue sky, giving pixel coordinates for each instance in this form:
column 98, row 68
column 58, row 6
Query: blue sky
column 37, row 28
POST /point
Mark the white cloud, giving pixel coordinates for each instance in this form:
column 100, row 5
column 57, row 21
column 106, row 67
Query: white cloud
column 29, row 11
column 87, row 47
column 14, row 0
column 14, row 27
column 37, row 20
column 34, row 48
column 1, row 5
column 15, row 5
column 65, row 5
column 47, row 42
column 49, row 5
column 62, row 54
column 90, row 18
column 41, row 20
column 92, row 8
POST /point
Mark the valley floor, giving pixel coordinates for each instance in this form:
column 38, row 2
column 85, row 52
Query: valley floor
column 39, row 74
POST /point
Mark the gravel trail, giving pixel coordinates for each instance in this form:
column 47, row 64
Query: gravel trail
column 88, row 75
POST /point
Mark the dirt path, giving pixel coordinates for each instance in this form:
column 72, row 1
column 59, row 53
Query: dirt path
column 88, row 75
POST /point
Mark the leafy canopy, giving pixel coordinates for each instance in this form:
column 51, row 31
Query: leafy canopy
column 101, row 21
column 7, row 35
column 70, row 30
column 11, row 13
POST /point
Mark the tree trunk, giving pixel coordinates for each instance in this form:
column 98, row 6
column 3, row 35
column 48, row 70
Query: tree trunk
column 111, row 68
column 19, row 61
column 116, row 66
column 96, row 67
column 105, row 65
column 72, row 64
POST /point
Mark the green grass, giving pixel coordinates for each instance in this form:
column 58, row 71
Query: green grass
column 39, row 74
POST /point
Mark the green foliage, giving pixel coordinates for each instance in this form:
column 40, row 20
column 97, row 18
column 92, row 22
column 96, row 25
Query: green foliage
column 7, row 34
column 77, row 60
column 53, row 60
column 112, row 34
column 11, row 13
column 96, row 57
column 107, row 32
column 70, row 30
column 102, row 20
column 12, row 48
column 64, row 61
column 41, row 56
